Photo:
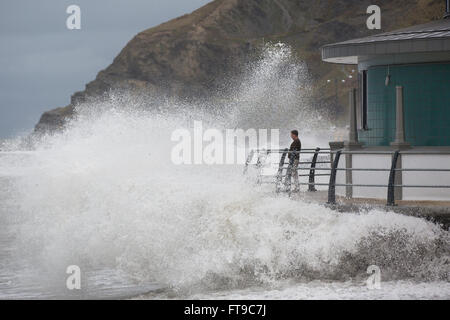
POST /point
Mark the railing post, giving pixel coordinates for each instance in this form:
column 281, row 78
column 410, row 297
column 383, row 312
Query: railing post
column 249, row 159
column 391, row 184
column 332, row 184
column 335, row 145
column 312, row 187
column 280, row 169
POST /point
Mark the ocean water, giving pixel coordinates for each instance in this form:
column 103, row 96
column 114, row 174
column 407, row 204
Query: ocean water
column 105, row 195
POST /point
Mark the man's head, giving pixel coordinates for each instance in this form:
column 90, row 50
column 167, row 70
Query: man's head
column 294, row 134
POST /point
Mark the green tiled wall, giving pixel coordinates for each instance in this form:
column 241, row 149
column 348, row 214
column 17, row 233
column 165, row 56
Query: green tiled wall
column 426, row 90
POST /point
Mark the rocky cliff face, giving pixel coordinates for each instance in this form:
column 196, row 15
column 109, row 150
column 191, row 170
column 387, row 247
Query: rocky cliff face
column 186, row 56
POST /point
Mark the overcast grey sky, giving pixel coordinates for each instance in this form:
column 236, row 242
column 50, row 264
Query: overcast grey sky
column 42, row 63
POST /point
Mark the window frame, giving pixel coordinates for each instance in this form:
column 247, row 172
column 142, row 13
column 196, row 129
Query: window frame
column 363, row 101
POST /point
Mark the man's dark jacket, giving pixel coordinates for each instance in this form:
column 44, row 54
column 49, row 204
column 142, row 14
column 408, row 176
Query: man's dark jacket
column 295, row 146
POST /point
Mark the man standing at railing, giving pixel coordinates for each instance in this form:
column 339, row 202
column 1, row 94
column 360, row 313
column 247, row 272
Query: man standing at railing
column 294, row 157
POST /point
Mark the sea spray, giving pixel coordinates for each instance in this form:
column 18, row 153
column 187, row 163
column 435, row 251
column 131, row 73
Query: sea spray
column 103, row 193
column 106, row 194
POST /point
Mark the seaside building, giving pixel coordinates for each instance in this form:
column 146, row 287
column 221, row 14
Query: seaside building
column 402, row 103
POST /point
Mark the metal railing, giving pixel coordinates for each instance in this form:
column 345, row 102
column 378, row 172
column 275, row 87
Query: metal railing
column 288, row 167
column 333, row 170
column 391, row 185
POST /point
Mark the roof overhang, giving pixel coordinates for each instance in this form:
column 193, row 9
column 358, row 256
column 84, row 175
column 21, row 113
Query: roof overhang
column 431, row 37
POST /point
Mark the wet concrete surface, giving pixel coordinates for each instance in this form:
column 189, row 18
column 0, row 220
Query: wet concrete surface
column 436, row 211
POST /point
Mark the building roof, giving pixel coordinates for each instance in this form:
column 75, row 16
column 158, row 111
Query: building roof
column 429, row 37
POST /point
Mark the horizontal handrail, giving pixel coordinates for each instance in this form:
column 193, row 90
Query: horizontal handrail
column 316, row 175
column 318, row 169
column 303, row 151
column 420, row 186
column 422, row 169
column 309, row 162
column 361, row 152
column 354, row 185
column 388, row 152
column 433, row 152
column 376, row 169
column 346, row 169
column 366, row 185
column 282, row 150
column 306, row 175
